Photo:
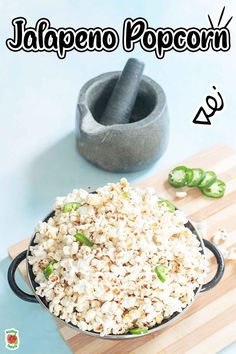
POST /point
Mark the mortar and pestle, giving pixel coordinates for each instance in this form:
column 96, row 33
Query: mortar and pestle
column 122, row 122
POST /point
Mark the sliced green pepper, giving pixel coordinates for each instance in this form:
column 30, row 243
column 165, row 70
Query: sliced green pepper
column 167, row 203
column 162, row 272
column 125, row 195
column 208, row 180
column 198, row 175
column 70, row 206
column 189, row 175
column 216, row 190
column 81, row 238
column 179, row 176
column 48, row 270
column 138, row 330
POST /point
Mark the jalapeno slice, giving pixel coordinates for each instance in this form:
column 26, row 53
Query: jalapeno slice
column 179, row 176
column 198, row 175
column 216, row 190
column 208, row 180
column 70, row 206
column 139, row 330
column 167, row 203
column 189, row 173
column 162, row 272
column 81, row 238
column 48, row 270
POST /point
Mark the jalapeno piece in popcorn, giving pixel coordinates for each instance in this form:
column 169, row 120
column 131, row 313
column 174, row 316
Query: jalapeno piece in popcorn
column 125, row 195
column 70, row 207
column 161, row 272
column 81, row 238
column 48, row 270
column 139, row 330
column 167, row 203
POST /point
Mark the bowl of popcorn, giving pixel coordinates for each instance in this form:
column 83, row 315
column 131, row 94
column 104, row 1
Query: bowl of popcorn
column 117, row 263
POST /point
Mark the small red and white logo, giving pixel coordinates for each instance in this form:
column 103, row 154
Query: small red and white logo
column 12, row 339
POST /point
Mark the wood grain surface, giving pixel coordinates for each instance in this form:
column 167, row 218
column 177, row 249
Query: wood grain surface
column 210, row 323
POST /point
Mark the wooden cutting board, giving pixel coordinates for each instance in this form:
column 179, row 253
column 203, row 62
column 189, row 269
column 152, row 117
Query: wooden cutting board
column 210, row 324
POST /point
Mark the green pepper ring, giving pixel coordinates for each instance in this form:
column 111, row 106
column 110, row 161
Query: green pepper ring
column 208, row 181
column 197, row 180
column 179, row 181
column 208, row 190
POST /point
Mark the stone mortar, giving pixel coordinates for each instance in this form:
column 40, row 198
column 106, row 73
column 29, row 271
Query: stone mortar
column 122, row 147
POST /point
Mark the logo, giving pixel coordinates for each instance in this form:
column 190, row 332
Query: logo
column 12, row 339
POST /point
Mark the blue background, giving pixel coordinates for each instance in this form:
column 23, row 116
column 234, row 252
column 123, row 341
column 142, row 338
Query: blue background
column 37, row 111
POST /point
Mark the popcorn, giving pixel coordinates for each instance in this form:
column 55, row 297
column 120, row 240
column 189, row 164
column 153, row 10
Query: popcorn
column 66, row 250
column 219, row 236
column 224, row 251
column 94, row 199
column 128, row 302
column 111, row 286
column 232, row 254
column 181, row 194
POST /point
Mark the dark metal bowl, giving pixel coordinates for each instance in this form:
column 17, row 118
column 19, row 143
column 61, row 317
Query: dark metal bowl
column 37, row 299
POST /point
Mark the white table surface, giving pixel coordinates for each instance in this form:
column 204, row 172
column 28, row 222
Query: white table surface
column 37, row 115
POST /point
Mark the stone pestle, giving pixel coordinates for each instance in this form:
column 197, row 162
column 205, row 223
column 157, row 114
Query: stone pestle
column 121, row 102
